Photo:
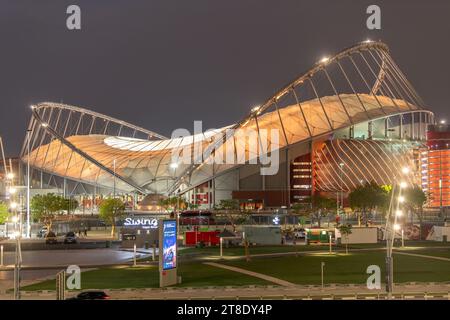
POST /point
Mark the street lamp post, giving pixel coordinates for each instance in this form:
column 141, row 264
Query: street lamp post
column 391, row 227
column 28, row 230
column 440, row 184
column 18, row 253
column 342, row 191
column 114, row 185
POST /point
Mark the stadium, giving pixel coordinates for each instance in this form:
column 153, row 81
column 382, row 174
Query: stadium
column 352, row 118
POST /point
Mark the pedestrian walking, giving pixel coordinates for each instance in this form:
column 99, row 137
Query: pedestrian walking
column 85, row 232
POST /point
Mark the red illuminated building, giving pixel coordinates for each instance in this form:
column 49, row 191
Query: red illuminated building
column 436, row 166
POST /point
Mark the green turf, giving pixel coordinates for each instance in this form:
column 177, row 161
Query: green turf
column 240, row 251
column 437, row 252
column 301, row 269
column 341, row 268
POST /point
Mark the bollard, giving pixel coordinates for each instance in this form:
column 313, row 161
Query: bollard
column 330, row 242
column 134, row 255
column 153, row 252
column 1, row 256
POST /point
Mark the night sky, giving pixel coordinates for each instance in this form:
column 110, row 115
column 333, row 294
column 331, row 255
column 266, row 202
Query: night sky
column 162, row 64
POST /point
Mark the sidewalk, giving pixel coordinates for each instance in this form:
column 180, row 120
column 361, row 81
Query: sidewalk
column 339, row 292
column 253, row 274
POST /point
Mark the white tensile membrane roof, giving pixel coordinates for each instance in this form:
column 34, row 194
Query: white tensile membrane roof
column 141, row 145
column 147, row 163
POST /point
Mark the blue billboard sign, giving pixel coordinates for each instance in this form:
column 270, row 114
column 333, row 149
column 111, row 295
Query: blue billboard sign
column 169, row 238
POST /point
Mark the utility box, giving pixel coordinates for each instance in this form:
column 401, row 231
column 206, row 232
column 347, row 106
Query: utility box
column 359, row 235
column 139, row 236
column 263, row 235
column 317, row 235
column 439, row 233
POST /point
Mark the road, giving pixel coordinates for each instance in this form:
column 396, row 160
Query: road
column 424, row 291
column 42, row 258
column 58, row 258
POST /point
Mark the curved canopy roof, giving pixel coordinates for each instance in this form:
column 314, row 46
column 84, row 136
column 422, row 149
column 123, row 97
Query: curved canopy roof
column 336, row 93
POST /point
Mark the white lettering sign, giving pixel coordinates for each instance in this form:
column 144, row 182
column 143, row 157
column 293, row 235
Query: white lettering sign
column 152, row 223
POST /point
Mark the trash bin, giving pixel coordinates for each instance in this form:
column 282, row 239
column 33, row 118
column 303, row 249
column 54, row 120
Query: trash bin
column 444, row 238
column 147, row 245
column 108, row 244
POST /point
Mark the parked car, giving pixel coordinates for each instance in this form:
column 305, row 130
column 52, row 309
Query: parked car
column 70, row 237
column 91, row 295
column 42, row 233
column 300, row 233
column 50, row 238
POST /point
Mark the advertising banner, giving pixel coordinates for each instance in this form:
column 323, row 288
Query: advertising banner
column 169, row 244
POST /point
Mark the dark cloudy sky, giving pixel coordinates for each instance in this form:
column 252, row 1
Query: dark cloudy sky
column 162, row 64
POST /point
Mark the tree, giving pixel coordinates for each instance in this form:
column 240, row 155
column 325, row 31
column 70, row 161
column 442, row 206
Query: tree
column 345, row 230
column 69, row 205
column 44, row 208
column 231, row 208
column 229, row 204
column 193, row 206
column 415, row 199
column 299, row 209
column 321, row 205
column 110, row 210
column 4, row 213
column 368, row 197
column 173, row 203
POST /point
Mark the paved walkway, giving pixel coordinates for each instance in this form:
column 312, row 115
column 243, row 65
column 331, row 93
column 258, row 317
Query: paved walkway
column 253, row 274
column 344, row 292
column 422, row 256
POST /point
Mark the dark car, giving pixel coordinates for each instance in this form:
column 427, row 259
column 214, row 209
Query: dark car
column 91, row 295
column 50, row 238
column 70, row 237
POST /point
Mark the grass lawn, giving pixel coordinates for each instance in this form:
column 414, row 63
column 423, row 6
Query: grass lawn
column 193, row 275
column 341, row 268
column 436, row 252
column 303, row 269
column 239, row 251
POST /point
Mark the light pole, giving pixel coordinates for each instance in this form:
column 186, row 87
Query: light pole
column 342, row 191
column 391, row 228
column 114, row 185
column 440, row 183
column 28, row 186
column 18, row 254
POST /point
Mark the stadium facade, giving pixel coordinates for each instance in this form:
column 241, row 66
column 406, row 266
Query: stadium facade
column 351, row 119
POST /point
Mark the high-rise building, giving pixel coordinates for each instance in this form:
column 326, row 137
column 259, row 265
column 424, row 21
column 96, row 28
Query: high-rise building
column 435, row 165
